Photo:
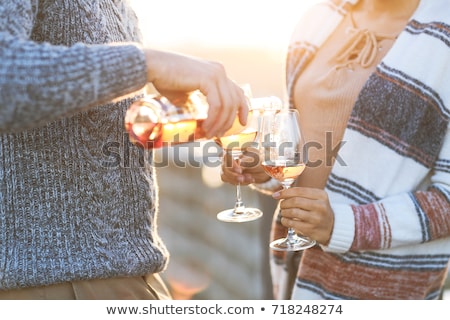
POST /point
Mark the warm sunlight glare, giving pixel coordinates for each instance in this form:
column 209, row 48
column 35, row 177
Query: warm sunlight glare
column 248, row 36
column 255, row 23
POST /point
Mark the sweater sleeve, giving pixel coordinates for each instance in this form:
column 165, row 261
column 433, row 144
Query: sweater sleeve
column 40, row 82
column 404, row 219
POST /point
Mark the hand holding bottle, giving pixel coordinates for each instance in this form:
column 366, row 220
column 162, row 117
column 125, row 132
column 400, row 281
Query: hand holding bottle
column 174, row 74
column 156, row 121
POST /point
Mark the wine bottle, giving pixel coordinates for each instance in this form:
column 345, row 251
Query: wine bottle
column 154, row 121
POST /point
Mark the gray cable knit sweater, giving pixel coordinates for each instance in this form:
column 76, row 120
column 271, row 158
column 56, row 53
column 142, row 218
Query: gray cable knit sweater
column 76, row 199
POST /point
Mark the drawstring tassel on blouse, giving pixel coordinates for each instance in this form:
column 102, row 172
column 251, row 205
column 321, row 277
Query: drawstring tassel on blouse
column 361, row 48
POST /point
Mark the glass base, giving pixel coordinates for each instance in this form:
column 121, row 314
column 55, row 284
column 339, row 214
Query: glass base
column 295, row 243
column 248, row 214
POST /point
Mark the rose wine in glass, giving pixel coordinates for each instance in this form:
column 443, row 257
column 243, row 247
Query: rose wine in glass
column 284, row 159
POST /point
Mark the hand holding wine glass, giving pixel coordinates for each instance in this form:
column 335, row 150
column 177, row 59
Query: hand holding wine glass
column 236, row 143
column 233, row 146
column 284, row 159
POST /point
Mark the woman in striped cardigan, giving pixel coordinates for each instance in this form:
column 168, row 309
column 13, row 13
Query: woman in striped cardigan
column 371, row 80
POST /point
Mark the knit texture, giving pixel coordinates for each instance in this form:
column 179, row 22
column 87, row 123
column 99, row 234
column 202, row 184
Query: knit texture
column 391, row 199
column 77, row 200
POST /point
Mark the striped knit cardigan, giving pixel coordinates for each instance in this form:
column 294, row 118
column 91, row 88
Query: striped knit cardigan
column 391, row 199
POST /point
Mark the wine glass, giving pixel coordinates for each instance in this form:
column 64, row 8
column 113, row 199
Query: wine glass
column 233, row 146
column 284, row 159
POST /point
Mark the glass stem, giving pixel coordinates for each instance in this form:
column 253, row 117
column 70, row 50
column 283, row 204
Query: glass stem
column 239, row 205
column 291, row 232
column 291, row 235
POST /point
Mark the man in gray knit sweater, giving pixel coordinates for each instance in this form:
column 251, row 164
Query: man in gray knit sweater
column 72, row 226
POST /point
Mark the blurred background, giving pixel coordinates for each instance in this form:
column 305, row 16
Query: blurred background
column 211, row 259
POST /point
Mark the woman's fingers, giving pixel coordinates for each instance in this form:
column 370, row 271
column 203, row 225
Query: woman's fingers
column 308, row 211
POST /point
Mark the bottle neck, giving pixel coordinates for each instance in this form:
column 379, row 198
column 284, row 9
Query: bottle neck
column 271, row 103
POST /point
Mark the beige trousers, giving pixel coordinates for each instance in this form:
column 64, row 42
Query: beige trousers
column 149, row 287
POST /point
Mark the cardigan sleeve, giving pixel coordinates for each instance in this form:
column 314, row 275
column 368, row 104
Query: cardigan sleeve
column 41, row 82
column 407, row 218
column 396, row 190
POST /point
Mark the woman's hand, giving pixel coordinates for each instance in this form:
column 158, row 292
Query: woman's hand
column 245, row 171
column 308, row 211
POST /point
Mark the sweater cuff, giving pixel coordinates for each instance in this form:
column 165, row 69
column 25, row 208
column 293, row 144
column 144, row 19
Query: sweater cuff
column 343, row 230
